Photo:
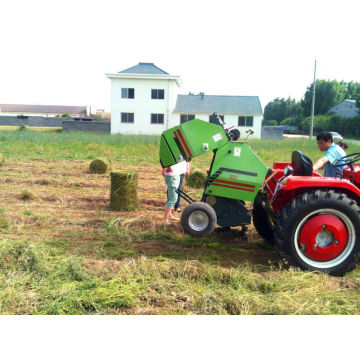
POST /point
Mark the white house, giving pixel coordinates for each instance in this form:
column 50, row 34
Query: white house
column 144, row 100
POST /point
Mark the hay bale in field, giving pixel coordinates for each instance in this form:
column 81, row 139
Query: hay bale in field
column 123, row 192
column 27, row 195
column 2, row 160
column 196, row 179
column 99, row 166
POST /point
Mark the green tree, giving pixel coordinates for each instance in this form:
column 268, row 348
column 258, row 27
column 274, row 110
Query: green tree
column 352, row 90
column 280, row 109
column 327, row 94
column 358, row 102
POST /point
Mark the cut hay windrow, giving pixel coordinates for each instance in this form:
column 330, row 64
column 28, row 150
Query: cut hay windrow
column 123, row 192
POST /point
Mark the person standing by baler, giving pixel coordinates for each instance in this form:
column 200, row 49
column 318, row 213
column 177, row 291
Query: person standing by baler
column 172, row 175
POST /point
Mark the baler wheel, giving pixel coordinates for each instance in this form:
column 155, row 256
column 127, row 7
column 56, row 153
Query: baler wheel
column 198, row 219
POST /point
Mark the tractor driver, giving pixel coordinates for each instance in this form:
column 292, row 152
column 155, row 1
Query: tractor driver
column 333, row 152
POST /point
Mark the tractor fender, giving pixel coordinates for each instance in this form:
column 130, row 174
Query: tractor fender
column 300, row 184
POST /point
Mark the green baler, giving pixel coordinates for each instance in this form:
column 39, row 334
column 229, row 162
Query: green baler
column 236, row 174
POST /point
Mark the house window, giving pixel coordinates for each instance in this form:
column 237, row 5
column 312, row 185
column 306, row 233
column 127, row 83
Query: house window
column 157, row 118
column 127, row 93
column 186, row 118
column 157, row 94
column 220, row 116
column 246, row 121
column 127, row 117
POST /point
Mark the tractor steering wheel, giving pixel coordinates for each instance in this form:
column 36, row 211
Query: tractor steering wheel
column 347, row 160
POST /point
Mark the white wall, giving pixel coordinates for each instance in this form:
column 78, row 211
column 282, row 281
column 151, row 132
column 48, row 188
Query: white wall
column 230, row 120
column 142, row 105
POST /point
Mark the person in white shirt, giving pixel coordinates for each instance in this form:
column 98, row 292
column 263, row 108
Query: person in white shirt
column 185, row 170
column 172, row 175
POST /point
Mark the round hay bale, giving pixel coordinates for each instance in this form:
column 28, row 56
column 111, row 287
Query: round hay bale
column 2, row 160
column 196, row 179
column 98, row 166
column 123, row 192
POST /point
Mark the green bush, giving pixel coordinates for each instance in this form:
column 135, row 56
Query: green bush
column 291, row 121
column 270, row 123
column 332, row 122
column 23, row 127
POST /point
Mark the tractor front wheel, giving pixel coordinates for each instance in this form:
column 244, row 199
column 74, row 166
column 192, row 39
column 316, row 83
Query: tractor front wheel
column 319, row 231
column 198, row 219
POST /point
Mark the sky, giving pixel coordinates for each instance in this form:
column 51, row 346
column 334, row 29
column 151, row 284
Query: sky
column 57, row 52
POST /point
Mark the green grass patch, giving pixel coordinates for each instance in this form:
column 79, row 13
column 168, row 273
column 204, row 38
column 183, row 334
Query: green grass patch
column 80, row 146
column 34, row 281
column 111, row 249
column 4, row 223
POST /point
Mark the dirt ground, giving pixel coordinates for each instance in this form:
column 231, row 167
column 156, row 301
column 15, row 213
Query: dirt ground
column 57, row 199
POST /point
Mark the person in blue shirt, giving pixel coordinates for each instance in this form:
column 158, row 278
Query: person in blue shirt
column 333, row 152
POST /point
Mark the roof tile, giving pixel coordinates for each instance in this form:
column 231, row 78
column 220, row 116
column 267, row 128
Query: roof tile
column 144, row 68
column 230, row 105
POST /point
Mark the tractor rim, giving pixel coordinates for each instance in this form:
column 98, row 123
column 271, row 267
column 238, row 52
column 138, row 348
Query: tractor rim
column 198, row 220
column 325, row 238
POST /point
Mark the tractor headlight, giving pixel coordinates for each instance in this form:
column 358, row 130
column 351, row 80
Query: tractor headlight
column 288, row 170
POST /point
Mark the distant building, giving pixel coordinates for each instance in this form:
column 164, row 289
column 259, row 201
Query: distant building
column 346, row 109
column 144, row 100
column 41, row 110
column 242, row 112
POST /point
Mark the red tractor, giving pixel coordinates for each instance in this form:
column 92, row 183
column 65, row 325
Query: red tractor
column 313, row 221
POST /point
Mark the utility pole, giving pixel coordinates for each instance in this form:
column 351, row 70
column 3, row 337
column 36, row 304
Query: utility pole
column 313, row 104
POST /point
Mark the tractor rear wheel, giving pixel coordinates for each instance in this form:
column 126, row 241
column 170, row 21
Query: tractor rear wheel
column 198, row 219
column 319, row 231
column 262, row 221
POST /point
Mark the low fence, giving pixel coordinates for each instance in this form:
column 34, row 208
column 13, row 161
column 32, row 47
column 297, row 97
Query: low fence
column 31, row 121
column 65, row 124
column 88, row 126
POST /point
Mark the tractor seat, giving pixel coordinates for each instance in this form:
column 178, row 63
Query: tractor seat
column 301, row 164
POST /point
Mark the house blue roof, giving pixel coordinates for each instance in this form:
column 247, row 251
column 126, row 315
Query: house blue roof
column 231, row 105
column 144, row 68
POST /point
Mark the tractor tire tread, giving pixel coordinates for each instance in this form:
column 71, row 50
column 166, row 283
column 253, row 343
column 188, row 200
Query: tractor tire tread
column 262, row 222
